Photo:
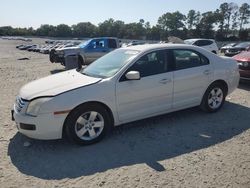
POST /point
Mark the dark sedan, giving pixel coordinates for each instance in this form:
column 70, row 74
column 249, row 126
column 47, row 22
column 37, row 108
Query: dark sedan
column 26, row 47
column 234, row 50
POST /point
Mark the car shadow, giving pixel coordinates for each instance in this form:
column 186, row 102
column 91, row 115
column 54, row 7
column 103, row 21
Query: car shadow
column 147, row 141
column 57, row 71
column 244, row 84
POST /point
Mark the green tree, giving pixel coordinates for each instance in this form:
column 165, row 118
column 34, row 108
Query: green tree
column 193, row 19
column 206, row 26
column 222, row 14
column 118, row 29
column 105, row 28
column 172, row 21
column 6, row 31
column 63, row 30
column 84, row 29
column 46, row 30
column 244, row 34
column 244, row 14
column 135, row 31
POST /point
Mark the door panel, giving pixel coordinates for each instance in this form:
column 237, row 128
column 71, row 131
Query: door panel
column 189, row 85
column 144, row 97
column 95, row 50
column 191, row 77
column 150, row 95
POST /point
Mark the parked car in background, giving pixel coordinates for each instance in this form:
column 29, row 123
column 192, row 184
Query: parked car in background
column 125, row 85
column 46, row 49
column 243, row 60
column 31, row 49
column 17, row 38
column 20, row 45
column 26, row 47
column 87, row 52
column 234, row 50
column 227, row 46
column 208, row 44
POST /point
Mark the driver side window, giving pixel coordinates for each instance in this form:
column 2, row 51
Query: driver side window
column 97, row 44
column 151, row 64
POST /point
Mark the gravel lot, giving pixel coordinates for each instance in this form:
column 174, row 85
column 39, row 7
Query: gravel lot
column 188, row 148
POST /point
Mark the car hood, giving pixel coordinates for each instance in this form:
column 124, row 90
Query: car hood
column 56, row 84
column 243, row 56
column 70, row 50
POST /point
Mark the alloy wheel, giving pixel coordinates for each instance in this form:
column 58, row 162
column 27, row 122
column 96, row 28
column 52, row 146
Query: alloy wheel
column 89, row 125
column 215, row 98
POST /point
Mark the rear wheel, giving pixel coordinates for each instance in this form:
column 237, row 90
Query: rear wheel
column 87, row 124
column 213, row 98
column 80, row 63
column 80, row 60
column 52, row 56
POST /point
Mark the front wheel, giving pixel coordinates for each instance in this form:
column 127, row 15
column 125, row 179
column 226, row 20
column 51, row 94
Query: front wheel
column 87, row 124
column 213, row 98
column 52, row 56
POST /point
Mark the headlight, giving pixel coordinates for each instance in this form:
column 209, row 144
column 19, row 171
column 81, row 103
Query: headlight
column 34, row 106
column 245, row 64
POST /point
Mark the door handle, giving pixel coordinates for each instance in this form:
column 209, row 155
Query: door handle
column 207, row 72
column 165, row 80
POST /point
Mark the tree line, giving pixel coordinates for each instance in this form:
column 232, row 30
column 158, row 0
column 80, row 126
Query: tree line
column 228, row 22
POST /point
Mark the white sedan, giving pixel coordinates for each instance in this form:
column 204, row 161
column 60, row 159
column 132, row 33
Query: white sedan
column 125, row 85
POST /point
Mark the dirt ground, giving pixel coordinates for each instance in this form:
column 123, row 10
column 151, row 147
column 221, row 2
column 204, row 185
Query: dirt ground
column 188, row 148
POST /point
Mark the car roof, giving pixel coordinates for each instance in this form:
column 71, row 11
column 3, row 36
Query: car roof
column 198, row 39
column 103, row 38
column 147, row 47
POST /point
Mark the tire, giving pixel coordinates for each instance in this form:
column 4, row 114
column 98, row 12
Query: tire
column 52, row 56
column 80, row 63
column 87, row 124
column 213, row 98
column 80, row 60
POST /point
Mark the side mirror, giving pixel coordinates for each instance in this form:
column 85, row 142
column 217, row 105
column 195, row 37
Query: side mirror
column 133, row 75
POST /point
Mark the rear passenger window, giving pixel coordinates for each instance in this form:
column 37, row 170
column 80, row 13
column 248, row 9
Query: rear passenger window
column 203, row 42
column 185, row 59
column 112, row 43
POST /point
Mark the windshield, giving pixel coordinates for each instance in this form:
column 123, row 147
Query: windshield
column 243, row 44
column 83, row 44
column 110, row 64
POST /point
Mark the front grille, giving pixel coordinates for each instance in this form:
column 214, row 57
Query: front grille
column 19, row 104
